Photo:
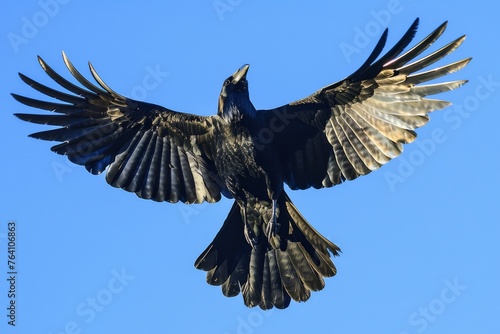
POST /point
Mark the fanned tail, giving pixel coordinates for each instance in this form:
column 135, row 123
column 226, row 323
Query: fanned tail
column 267, row 276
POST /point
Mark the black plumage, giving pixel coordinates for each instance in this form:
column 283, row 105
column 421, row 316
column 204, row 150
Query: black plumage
column 265, row 249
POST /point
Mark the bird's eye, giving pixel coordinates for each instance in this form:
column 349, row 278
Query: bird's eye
column 226, row 82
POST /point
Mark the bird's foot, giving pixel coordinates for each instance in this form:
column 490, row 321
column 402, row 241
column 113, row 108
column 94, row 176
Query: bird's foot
column 272, row 225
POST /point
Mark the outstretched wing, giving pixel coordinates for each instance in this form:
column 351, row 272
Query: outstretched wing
column 356, row 125
column 155, row 152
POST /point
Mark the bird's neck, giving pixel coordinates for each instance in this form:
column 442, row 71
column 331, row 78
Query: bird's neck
column 235, row 112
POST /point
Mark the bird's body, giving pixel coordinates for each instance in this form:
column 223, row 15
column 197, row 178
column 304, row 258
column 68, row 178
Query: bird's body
column 238, row 163
column 265, row 249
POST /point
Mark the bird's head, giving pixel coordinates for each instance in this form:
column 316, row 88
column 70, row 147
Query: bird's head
column 234, row 101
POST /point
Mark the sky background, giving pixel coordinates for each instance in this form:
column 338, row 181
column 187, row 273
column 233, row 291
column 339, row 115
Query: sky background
column 419, row 237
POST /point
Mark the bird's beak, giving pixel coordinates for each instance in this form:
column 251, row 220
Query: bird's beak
column 241, row 73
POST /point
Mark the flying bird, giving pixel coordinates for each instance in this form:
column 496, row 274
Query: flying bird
column 266, row 250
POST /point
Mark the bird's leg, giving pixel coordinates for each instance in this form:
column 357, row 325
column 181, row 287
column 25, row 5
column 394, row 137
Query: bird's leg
column 272, row 225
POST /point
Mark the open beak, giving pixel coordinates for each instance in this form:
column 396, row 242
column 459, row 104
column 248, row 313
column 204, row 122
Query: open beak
column 241, row 73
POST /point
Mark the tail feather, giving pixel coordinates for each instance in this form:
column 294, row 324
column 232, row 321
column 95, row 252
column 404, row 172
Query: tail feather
column 231, row 287
column 314, row 237
column 266, row 275
column 227, row 258
column 280, row 298
column 291, row 280
column 252, row 290
column 315, row 247
column 266, row 301
column 305, row 269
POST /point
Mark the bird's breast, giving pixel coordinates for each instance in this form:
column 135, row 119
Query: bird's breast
column 236, row 161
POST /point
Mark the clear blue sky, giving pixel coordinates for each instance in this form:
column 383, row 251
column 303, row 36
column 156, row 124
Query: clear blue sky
column 419, row 237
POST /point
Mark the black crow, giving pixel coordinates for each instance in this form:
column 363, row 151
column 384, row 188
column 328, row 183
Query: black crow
column 265, row 249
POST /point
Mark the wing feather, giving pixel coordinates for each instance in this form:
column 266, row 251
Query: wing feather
column 369, row 115
column 146, row 149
